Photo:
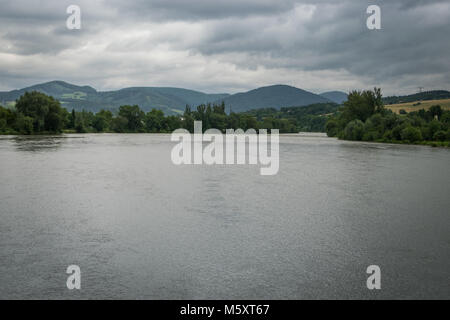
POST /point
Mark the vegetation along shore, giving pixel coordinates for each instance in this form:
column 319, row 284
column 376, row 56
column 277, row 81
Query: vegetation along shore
column 363, row 117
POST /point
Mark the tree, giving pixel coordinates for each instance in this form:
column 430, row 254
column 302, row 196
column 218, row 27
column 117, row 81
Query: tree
column 24, row 124
column 436, row 111
column 72, row 119
column 354, row 130
column 135, row 117
column 154, row 121
column 361, row 105
column 45, row 111
column 119, row 124
column 332, row 128
column 411, row 134
column 102, row 120
column 7, row 119
column 440, row 136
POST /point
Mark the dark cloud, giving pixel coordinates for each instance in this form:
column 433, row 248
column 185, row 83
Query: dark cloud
column 201, row 9
column 227, row 45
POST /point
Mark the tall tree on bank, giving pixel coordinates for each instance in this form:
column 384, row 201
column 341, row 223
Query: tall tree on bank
column 45, row 111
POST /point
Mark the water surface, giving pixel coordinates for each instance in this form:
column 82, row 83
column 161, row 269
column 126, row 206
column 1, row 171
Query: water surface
column 141, row 227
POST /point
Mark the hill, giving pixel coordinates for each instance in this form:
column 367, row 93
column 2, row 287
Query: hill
column 335, row 96
column 426, row 95
column 417, row 105
column 170, row 100
column 275, row 96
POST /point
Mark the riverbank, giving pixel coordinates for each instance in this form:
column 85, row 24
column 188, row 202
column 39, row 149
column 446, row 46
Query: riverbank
column 441, row 144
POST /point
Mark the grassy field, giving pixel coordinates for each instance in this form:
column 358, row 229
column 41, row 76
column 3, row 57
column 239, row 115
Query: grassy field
column 76, row 95
column 417, row 105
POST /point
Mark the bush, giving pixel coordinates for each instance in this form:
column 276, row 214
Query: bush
column 371, row 135
column 332, row 128
column 354, row 130
column 411, row 134
column 434, row 126
column 439, row 136
column 426, row 133
column 397, row 132
column 24, row 125
column 45, row 111
column 2, row 125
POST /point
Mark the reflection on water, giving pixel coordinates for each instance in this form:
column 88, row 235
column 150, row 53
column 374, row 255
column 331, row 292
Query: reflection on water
column 141, row 227
column 38, row 143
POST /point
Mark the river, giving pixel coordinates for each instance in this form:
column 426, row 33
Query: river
column 140, row 227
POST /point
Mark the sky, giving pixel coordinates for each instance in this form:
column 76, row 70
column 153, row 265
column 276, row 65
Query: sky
column 227, row 46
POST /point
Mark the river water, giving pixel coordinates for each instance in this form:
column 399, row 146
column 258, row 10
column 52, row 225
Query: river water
column 140, row 227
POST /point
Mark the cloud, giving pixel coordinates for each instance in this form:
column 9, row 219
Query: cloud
column 227, row 46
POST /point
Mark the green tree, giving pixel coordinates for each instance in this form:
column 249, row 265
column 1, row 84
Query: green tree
column 72, row 119
column 119, row 124
column 361, row 105
column 135, row 117
column 354, row 130
column 440, row 136
column 436, row 111
column 411, row 134
column 154, row 121
column 332, row 127
column 45, row 111
column 24, row 124
column 102, row 120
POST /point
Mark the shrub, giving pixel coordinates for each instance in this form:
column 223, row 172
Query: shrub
column 371, row 135
column 332, row 128
column 434, row 127
column 354, row 130
column 2, row 125
column 439, row 136
column 397, row 132
column 24, row 125
column 387, row 136
column 426, row 133
column 411, row 134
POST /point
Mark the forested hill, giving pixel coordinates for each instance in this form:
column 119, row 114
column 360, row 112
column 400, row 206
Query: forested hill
column 169, row 100
column 426, row 95
column 276, row 96
column 338, row 97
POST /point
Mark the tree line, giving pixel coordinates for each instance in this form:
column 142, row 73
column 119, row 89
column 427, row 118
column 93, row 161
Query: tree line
column 363, row 117
column 37, row 113
column 311, row 118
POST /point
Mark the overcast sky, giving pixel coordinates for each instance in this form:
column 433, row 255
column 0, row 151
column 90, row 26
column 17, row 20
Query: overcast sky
column 227, row 46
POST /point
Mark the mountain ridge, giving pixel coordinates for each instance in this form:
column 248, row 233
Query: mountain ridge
column 274, row 96
column 336, row 96
column 171, row 100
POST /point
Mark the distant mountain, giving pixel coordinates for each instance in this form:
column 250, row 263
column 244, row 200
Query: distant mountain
column 275, row 96
column 336, row 96
column 170, row 100
column 426, row 95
